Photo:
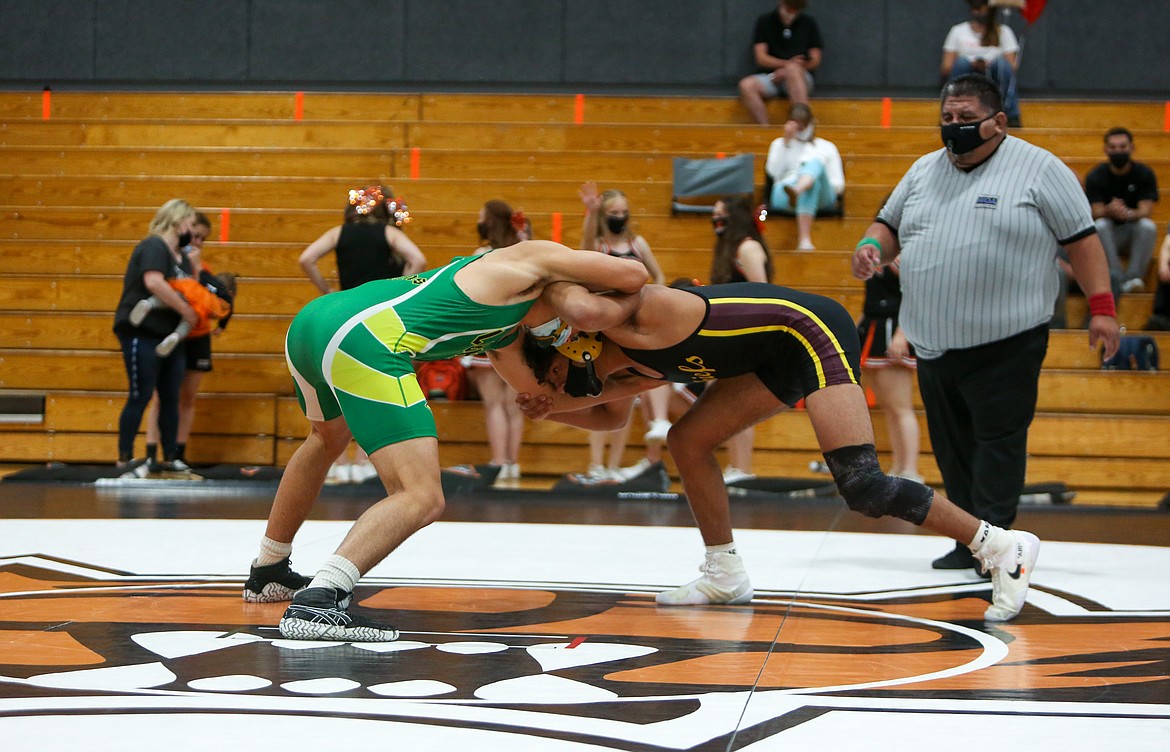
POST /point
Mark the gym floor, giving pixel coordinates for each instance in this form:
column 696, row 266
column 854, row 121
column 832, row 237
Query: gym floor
column 528, row 623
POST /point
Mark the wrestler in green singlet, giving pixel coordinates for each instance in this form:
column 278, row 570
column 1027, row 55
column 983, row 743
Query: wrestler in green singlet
column 350, row 352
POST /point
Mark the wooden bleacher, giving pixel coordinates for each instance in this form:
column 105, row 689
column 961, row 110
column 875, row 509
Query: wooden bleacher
column 78, row 190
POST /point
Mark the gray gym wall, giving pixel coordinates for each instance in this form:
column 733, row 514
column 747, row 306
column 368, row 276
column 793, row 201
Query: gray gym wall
column 872, row 47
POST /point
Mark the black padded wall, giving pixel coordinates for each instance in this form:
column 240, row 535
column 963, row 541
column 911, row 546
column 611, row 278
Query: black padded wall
column 871, row 46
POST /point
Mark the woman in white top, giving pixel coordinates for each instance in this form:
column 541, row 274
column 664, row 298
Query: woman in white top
column 983, row 45
column 806, row 172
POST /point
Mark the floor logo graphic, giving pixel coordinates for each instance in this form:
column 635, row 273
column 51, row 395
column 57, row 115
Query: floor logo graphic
column 597, row 665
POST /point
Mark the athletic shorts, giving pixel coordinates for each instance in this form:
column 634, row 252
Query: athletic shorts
column 773, row 89
column 199, row 353
column 875, row 335
column 374, row 389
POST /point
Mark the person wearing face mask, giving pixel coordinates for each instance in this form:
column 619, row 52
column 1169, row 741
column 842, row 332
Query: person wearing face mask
column 740, row 255
column 983, row 45
column 154, row 261
column 212, row 297
column 607, row 229
column 786, row 48
column 976, row 227
column 1122, row 194
column 806, row 172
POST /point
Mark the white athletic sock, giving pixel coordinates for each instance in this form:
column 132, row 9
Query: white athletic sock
column 337, row 572
column 722, row 548
column 271, row 551
column 982, row 536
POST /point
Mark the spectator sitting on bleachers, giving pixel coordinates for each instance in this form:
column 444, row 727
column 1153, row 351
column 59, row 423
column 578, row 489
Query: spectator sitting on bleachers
column 786, row 48
column 983, row 45
column 1122, row 193
column 806, row 173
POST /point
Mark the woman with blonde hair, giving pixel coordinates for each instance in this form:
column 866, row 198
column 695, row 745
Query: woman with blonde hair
column 607, row 229
column 155, row 259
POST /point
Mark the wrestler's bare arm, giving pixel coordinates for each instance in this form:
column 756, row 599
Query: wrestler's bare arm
column 543, row 400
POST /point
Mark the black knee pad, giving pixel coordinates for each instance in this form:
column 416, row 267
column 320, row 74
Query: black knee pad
column 868, row 490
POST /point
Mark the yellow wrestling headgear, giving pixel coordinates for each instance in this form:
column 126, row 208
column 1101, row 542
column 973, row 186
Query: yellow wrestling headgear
column 582, row 347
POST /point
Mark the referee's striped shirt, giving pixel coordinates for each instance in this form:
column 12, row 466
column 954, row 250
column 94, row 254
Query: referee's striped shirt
column 979, row 248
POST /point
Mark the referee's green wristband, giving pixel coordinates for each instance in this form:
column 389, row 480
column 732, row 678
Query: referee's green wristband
column 868, row 241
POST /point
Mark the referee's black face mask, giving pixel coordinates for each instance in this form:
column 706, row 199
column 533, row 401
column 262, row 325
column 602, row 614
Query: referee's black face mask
column 961, row 138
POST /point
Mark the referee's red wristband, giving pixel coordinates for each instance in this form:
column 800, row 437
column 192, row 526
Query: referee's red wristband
column 1101, row 304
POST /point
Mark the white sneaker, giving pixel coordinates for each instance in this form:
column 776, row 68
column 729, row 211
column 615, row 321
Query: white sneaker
column 601, row 472
column 168, row 345
column 658, row 430
column 135, row 469
column 724, row 581
column 513, row 470
column 140, row 310
column 1010, row 558
column 633, row 471
column 735, row 475
column 341, row 472
column 1133, row 285
column 360, row 472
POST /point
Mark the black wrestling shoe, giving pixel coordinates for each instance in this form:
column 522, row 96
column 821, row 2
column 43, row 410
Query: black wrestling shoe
column 318, row 614
column 274, row 582
column 959, row 558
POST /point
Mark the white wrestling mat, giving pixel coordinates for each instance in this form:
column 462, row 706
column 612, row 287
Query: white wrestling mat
column 130, row 635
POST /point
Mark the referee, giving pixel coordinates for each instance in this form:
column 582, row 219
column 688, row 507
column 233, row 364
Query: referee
column 978, row 225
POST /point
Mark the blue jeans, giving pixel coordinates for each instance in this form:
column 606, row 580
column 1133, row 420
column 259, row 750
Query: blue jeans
column 1002, row 73
column 820, row 196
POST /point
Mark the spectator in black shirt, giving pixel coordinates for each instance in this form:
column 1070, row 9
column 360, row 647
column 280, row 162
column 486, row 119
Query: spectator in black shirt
column 1122, row 193
column 786, row 48
column 154, row 260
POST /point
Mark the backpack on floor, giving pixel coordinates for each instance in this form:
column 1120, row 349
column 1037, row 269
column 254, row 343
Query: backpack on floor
column 1138, row 352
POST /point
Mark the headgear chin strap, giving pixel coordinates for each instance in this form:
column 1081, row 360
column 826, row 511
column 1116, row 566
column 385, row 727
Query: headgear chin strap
column 582, row 349
column 581, row 380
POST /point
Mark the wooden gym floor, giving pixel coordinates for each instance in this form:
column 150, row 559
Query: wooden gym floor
column 528, row 623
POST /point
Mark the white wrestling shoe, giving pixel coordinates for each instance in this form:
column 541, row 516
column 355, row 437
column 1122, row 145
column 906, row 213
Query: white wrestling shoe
column 1010, row 557
column 724, row 581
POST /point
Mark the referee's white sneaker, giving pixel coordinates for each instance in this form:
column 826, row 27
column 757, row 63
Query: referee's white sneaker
column 1010, row 556
column 724, row 581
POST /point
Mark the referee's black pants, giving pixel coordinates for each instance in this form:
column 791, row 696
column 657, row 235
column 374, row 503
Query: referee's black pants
column 979, row 403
